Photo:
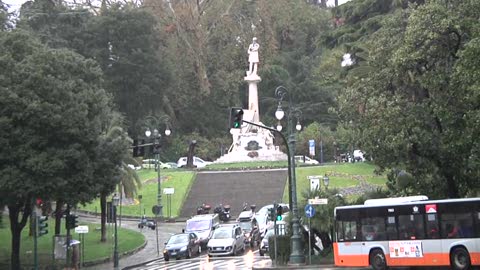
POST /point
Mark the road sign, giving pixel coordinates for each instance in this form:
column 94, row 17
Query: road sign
column 314, row 184
column 81, row 229
column 318, row 201
column 168, row 191
column 309, row 211
column 157, row 209
column 311, row 147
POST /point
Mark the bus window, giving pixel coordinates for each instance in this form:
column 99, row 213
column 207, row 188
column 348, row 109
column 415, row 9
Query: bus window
column 411, row 227
column 347, row 231
column 432, row 226
column 391, row 229
column 373, row 229
column 457, row 225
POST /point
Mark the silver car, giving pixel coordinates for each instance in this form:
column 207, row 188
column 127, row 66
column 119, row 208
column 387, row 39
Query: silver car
column 226, row 240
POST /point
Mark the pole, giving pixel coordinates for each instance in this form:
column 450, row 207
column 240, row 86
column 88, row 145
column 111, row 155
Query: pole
column 296, row 256
column 309, row 241
column 275, row 238
column 83, row 250
column 159, row 198
column 68, row 238
column 115, row 251
column 35, row 243
column 321, row 151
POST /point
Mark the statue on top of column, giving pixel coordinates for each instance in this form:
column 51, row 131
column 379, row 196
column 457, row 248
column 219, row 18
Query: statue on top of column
column 253, row 57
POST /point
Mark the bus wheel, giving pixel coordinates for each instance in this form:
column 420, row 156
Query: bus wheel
column 460, row 259
column 377, row 260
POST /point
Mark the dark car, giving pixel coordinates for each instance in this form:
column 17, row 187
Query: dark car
column 182, row 245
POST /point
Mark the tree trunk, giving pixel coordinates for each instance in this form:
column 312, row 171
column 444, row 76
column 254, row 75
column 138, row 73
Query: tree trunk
column 58, row 216
column 16, row 229
column 103, row 214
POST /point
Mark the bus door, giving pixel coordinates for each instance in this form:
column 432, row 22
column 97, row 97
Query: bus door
column 350, row 248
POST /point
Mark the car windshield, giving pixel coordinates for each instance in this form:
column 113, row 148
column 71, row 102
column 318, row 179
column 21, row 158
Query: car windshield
column 178, row 239
column 222, row 234
column 246, row 226
column 198, row 225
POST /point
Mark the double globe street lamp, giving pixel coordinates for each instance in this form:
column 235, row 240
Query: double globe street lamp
column 296, row 255
column 157, row 209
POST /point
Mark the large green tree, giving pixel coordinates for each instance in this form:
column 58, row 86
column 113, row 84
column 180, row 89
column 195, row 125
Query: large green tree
column 416, row 106
column 50, row 120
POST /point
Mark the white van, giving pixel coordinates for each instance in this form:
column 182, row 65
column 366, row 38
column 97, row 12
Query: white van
column 203, row 226
column 197, row 162
column 305, row 160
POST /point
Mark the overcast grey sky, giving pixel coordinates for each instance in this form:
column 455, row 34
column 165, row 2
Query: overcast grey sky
column 16, row 4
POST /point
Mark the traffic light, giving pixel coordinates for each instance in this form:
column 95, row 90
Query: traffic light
column 71, row 222
column 42, row 225
column 279, row 213
column 236, row 117
column 271, row 214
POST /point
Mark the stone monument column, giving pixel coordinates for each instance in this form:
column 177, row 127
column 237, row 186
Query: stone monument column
column 253, row 79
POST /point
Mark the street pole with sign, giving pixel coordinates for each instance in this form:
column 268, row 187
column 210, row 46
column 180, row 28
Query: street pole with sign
column 309, row 212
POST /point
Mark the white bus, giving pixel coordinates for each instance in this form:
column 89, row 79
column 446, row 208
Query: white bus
column 410, row 231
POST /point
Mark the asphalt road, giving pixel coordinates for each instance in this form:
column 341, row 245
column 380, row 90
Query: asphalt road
column 165, row 230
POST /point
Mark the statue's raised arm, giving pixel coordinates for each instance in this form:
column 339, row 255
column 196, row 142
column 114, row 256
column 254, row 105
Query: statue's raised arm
column 253, row 57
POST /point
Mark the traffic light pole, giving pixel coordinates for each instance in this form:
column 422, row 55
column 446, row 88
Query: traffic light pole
column 35, row 243
column 296, row 256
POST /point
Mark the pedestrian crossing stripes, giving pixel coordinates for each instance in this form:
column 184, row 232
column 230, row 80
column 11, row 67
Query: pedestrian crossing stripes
column 206, row 263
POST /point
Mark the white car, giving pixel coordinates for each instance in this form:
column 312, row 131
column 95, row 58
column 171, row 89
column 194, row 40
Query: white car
column 133, row 167
column 227, row 239
column 306, row 160
column 358, row 155
column 151, row 164
column 197, row 162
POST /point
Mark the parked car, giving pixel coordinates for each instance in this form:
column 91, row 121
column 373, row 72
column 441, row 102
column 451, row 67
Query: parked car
column 227, row 239
column 151, row 164
column 182, row 245
column 197, row 162
column 133, row 167
column 282, row 230
column 306, row 160
column 358, row 155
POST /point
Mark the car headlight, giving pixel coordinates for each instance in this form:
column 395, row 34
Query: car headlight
column 247, row 235
column 183, row 248
column 228, row 248
column 165, row 251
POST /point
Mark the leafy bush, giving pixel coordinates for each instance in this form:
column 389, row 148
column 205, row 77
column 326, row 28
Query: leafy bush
column 283, row 248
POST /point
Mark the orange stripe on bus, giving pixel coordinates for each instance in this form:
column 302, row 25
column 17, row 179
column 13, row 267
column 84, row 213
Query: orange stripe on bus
column 349, row 260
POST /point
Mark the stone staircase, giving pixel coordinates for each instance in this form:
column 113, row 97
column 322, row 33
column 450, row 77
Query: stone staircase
column 259, row 187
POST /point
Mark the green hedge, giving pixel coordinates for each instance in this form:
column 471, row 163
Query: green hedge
column 283, row 249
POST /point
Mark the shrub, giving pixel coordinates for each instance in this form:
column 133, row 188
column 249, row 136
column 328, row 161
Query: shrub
column 283, row 248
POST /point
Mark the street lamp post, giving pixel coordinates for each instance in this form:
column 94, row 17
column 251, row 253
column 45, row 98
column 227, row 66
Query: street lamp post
column 115, row 201
column 157, row 209
column 326, row 182
column 296, row 255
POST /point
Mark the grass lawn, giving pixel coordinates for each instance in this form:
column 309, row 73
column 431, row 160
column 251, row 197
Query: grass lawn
column 341, row 175
column 128, row 240
column 180, row 180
